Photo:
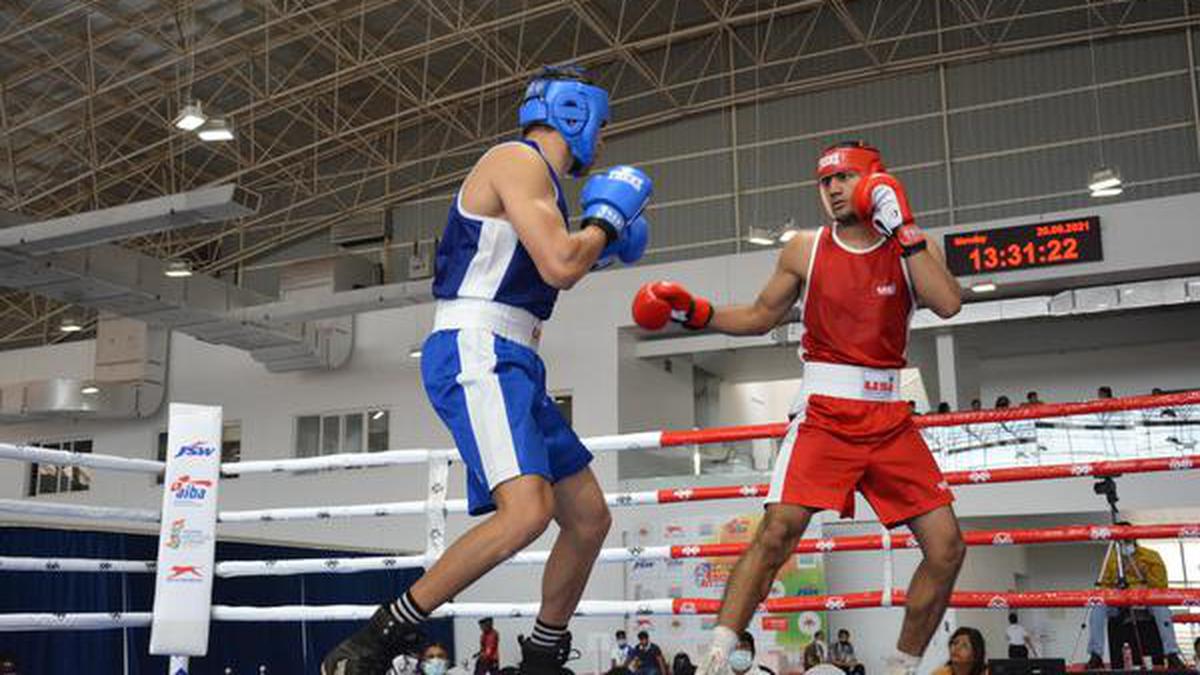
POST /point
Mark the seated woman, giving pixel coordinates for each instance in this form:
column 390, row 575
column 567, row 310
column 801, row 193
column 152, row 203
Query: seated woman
column 968, row 655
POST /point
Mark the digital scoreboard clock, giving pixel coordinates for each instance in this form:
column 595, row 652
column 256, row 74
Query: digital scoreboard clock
column 1005, row 249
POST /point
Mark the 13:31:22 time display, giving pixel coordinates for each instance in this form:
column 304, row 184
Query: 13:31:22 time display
column 1024, row 246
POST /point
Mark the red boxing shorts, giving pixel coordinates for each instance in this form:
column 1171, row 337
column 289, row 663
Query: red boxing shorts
column 836, row 445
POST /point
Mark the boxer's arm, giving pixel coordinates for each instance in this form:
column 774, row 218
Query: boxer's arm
column 527, row 195
column 775, row 300
column 936, row 288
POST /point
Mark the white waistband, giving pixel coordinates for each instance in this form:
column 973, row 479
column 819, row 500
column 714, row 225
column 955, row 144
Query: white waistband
column 845, row 381
column 507, row 321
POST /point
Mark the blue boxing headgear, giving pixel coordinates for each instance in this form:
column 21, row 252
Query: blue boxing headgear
column 565, row 101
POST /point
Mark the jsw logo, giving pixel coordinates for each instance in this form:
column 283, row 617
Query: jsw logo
column 195, row 450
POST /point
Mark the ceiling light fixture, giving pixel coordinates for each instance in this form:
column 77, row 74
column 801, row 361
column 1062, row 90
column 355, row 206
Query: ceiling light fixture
column 1105, row 183
column 69, row 324
column 986, row 287
column 760, row 236
column 89, row 390
column 217, row 129
column 191, row 117
column 177, row 269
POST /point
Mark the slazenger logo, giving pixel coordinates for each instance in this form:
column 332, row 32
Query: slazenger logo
column 196, row 449
column 689, row 551
column 1189, row 531
column 980, row 476
column 185, row 573
column 885, row 289
column 635, row 551
column 626, row 174
column 997, row 602
column 1002, row 539
column 1100, row 533
column 683, row 495
column 623, row 499
column 187, row 489
column 687, row 608
column 826, row 544
column 1179, row 464
column 1094, row 601
column 1081, row 470
column 835, row 602
column 748, row 490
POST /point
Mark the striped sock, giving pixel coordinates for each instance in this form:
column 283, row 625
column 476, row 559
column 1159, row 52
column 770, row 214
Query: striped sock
column 546, row 636
column 406, row 610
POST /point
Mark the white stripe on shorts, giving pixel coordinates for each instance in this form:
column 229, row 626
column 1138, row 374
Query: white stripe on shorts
column 485, row 406
column 784, row 458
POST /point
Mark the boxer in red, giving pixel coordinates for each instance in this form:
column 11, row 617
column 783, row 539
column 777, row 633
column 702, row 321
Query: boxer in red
column 858, row 281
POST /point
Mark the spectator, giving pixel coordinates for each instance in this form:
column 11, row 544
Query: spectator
column 912, row 407
column 1020, row 646
column 968, row 654
column 976, row 404
column 682, row 665
column 816, row 652
column 1002, row 402
column 1104, row 392
column 435, row 660
column 943, row 407
column 622, row 652
column 647, row 657
column 1144, row 568
column 1031, row 398
column 488, row 659
column 741, row 659
column 841, row 653
column 1196, row 654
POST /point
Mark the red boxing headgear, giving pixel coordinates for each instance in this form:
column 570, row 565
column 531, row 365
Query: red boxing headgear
column 845, row 157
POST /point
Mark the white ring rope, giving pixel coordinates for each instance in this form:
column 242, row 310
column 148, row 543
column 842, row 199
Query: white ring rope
column 30, row 453
column 75, row 565
column 59, row 510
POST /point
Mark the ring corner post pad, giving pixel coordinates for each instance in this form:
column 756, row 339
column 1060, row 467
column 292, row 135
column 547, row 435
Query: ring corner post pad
column 187, row 535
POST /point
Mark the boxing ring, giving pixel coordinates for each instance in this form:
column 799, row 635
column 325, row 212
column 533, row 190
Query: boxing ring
column 1159, row 431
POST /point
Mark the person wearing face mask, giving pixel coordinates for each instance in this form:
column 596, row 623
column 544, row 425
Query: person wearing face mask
column 816, row 652
column 433, row 660
column 622, row 652
column 1144, row 568
column 741, row 659
column 842, row 655
column 648, row 657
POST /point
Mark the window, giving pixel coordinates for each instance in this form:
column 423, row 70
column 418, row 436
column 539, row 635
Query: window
column 48, row 479
column 336, row 433
column 231, row 446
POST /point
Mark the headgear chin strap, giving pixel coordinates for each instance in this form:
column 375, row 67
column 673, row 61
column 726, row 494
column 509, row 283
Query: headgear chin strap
column 852, row 157
column 564, row 100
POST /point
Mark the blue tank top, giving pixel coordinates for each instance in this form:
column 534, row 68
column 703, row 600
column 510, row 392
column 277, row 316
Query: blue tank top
column 481, row 257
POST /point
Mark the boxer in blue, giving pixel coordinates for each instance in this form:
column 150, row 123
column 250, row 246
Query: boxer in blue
column 505, row 254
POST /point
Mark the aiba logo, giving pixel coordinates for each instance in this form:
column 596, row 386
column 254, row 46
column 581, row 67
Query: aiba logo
column 195, row 449
column 185, row 573
column 190, row 491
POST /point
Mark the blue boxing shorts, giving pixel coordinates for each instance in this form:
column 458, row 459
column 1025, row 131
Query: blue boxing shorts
column 491, row 393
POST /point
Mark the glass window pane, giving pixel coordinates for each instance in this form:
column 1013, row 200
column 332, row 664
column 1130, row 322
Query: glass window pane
column 308, row 436
column 331, row 434
column 84, row 445
column 377, row 430
column 81, row 478
column 353, row 439
column 231, row 443
column 47, row 479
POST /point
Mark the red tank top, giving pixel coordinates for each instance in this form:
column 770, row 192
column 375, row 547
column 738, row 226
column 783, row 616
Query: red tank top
column 857, row 304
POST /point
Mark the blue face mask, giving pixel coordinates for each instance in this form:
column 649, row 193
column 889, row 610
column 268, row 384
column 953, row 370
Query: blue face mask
column 434, row 666
column 741, row 660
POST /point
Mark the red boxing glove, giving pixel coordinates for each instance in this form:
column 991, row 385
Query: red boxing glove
column 881, row 200
column 660, row 301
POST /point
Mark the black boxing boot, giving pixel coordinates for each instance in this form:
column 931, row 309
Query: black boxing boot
column 539, row 660
column 371, row 650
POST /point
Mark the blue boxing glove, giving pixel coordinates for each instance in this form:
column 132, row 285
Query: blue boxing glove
column 614, row 198
column 629, row 246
